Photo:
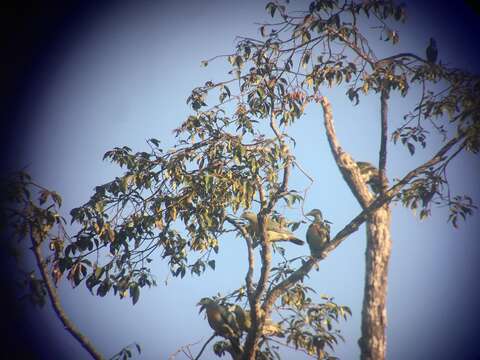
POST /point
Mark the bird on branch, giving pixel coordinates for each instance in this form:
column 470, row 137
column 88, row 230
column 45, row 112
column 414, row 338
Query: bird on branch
column 244, row 320
column 275, row 231
column 370, row 175
column 220, row 319
column 432, row 51
column 318, row 233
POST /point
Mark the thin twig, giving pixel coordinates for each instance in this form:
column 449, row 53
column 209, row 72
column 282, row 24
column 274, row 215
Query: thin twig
column 204, row 346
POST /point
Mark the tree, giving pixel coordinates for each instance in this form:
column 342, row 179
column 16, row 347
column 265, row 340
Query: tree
column 181, row 202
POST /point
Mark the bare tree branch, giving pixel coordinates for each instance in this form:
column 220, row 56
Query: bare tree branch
column 344, row 161
column 356, row 222
column 55, row 300
column 382, row 158
column 204, row 346
column 251, row 257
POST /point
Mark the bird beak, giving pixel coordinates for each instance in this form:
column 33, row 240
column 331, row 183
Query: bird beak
column 202, row 304
column 328, row 222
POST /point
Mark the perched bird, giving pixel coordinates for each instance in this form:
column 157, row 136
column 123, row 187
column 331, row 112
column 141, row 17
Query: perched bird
column 275, row 231
column 432, row 51
column 220, row 319
column 270, row 328
column 243, row 318
column 370, row 175
column 318, row 233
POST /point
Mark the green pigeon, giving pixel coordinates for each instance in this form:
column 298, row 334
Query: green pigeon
column 370, row 175
column 243, row 318
column 270, row 328
column 220, row 319
column 318, row 233
column 275, row 231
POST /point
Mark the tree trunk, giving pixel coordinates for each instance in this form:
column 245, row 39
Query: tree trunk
column 373, row 342
column 251, row 345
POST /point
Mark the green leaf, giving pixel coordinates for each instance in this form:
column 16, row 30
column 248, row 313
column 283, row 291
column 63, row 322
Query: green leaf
column 262, row 31
column 211, row 263
column 271, row 7
column 43, row 196
column 305, row 59
column 56, row 198
column 306, row 37
column 134, row 293
column 98, row 272
column 411, row 148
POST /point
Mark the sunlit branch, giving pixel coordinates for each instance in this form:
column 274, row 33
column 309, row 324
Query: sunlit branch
column 382, row 159
column 356, row 222
column 344, row 161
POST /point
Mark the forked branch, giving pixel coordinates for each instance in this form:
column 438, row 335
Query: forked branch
column 358, row 220
column 347, row 166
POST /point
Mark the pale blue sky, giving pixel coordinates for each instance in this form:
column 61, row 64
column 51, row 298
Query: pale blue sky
column 124, row 78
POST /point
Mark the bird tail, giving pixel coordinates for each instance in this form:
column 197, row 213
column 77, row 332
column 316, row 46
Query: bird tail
column 296, row 241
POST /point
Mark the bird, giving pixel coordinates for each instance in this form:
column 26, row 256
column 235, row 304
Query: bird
column 220, row 319
column 243, row 318
column 244, row 321
column 318, row 233
column 432, row 51
column 275, row 231
column 370, row 175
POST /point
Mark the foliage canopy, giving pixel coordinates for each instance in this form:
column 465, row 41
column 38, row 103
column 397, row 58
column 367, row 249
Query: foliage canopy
column 235, row 153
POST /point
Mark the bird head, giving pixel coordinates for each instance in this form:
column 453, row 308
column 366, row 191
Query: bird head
column 249, row 215
column 205, row 303
column 433, row 42
column 317, row 214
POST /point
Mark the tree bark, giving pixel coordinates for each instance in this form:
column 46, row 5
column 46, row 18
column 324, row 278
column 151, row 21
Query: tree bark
column 373, row 342
column 55, row 300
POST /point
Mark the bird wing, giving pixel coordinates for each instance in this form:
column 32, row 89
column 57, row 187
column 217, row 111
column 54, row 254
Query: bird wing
column 218, row 321
column 229, row 319
column 317, row 235
column 243, row 318
column 277, row 233
column 253, row 223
